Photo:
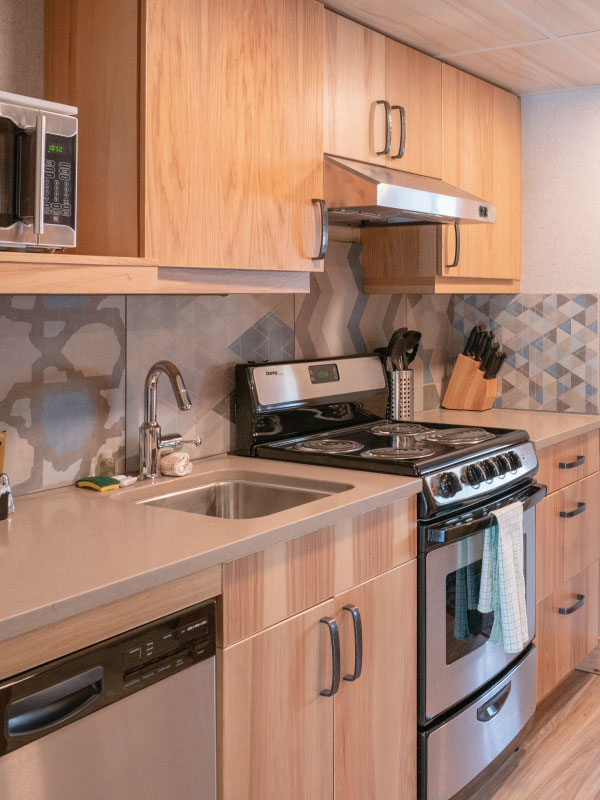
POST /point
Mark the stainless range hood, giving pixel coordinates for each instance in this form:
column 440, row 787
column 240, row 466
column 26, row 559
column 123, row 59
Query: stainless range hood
column 361, row 194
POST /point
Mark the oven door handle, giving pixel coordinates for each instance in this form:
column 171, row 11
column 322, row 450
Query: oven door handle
column 452, row 533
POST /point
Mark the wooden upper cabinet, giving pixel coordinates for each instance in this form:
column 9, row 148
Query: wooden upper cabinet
column 201, row 128
column 414, row 90
column 362, row 69
column 354, row 124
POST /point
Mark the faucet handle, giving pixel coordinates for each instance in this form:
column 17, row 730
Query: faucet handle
column 196, row 440
column 175, row 440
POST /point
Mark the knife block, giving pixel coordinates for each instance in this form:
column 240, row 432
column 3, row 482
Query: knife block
column 468, row 388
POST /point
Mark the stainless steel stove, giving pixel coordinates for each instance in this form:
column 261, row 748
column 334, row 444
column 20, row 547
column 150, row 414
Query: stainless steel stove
column 332, row 413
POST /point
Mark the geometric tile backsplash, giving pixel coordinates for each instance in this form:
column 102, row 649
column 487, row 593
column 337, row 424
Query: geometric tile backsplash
column 72, row 369
column 551, row 343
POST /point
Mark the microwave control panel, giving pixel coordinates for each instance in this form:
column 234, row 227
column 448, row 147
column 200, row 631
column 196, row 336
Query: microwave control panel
column 59, row 180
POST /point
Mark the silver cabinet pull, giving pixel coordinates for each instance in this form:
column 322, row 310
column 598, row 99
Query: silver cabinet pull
column 579, row 461
column 335, row 656
column 574, row 607
column 40, row 159
column 324, row 229
column 457, row 248
column 357, row 623
column 402, row 147
column 388, row 128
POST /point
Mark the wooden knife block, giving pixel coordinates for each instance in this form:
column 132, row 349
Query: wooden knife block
column 468, row 388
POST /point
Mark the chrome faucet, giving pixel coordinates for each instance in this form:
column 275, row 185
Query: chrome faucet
column 151, row 439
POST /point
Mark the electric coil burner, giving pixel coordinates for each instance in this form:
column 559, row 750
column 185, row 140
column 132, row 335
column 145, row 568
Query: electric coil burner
column 473, row 698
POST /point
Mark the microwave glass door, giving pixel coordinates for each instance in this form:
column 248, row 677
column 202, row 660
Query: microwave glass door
column 8, row 163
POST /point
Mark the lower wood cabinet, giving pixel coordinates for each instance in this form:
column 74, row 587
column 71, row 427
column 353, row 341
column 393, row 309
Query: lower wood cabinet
column 566, row 628
column 281, row 738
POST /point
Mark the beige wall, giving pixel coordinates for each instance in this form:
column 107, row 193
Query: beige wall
column 22, row 47
column 561, row 192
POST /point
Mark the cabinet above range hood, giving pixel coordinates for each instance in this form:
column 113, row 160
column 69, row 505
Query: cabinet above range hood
column 360, row 194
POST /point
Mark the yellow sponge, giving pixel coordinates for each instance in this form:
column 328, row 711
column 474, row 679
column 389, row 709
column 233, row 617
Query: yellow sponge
column 99, row 483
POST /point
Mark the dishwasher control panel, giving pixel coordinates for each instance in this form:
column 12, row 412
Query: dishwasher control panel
column 171, row 645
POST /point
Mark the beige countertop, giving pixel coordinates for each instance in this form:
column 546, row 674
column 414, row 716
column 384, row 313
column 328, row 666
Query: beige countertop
column 71, row 550
column 545, row 428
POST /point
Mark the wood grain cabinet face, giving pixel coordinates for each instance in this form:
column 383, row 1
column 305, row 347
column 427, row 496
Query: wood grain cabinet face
column 375, row 715
column 569, row 461
column 563, row 640
column 363, row 68
column 205, row 136
column 568, row 536
column 276, row 729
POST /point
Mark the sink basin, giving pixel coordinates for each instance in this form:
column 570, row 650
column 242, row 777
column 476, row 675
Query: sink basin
column 246, row 497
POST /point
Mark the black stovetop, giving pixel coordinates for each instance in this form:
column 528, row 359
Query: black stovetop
column 424, row 454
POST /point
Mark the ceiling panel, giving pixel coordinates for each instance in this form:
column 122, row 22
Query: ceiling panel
column 442, row 26
column 533, row 68
column 561, row 17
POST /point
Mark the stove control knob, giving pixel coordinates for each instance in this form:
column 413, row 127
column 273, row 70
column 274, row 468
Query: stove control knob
column 489, row 468
column 474, row 474
column 449, row 484
column 503, row 464
column 513, row 460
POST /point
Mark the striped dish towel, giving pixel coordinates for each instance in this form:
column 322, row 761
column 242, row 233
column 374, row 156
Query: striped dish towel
column 502, row 588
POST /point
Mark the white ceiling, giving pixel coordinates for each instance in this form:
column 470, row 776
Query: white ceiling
column 524, row 45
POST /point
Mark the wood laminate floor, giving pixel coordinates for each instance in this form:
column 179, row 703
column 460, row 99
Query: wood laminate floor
column 559, row 757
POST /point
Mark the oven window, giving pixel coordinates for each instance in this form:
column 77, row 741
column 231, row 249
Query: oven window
column 7, row 172
column 466, row 628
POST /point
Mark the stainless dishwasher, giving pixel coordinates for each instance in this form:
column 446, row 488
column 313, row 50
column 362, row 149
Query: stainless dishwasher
column 132, row 717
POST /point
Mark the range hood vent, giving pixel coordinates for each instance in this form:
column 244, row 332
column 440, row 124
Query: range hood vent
column 360, row 194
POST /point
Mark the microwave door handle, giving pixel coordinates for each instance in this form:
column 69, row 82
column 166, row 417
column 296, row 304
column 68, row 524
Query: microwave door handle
column 40, row 166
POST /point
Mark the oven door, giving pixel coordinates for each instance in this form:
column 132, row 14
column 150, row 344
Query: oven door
column 455, row 654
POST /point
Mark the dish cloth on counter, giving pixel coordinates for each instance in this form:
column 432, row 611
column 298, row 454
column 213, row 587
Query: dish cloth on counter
column 502, row 587
column 175, row 464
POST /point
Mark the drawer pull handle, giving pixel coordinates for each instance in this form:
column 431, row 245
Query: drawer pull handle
column 335, row 656
column 574, row 607
column 493, row 706
column 357, row 622
column 579, row 461
column 581, row 507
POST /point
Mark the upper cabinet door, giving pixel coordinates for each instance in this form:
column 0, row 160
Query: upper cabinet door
column 467, row 163
column 414, row 91
column 354, row 89
column 506, row 232
column 233, row 133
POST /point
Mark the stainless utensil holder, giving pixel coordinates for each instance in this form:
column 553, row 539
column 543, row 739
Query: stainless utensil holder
column 401, row 395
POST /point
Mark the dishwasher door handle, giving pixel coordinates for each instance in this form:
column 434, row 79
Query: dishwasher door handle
column 49, row 707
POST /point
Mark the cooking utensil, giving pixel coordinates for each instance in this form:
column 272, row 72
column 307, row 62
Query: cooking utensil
column 398, row 353
column 412, row 340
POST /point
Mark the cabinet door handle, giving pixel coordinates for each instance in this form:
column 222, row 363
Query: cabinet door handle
column 324, row 228
column 402, row 147
column 570, row 464
column 574, row 607
column 457, row 248
column 357, row 623
column 581, row 507
column 388, row 128
column 488, row 710
column 335, row 656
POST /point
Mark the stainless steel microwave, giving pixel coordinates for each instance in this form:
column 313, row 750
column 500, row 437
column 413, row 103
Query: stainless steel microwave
column 38, row 174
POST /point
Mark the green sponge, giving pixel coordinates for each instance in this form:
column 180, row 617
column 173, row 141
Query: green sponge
column 100, row 483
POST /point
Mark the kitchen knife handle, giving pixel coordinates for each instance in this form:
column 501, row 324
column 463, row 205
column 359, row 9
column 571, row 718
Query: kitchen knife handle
column 388, row 127
column 468, row 351
column 335, row 656
column 402, row 147
column 324, row 229
column 457, row 248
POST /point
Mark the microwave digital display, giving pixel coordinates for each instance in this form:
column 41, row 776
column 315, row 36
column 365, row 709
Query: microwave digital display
column 59, row 180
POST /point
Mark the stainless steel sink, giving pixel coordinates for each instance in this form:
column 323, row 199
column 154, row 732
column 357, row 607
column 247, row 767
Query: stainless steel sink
column 246, row 497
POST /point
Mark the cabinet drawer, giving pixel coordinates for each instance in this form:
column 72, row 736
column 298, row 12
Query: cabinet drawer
column 566, row 628
column 569, row 461
column 567, row 535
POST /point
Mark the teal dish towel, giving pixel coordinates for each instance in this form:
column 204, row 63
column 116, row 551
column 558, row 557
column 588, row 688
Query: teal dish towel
column 502, row 588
